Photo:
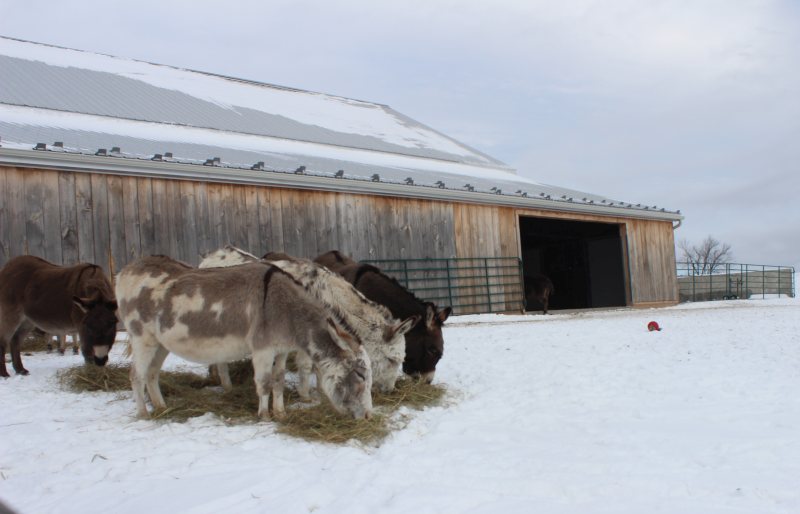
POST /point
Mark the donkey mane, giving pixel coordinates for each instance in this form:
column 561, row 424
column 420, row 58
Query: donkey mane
column 335, row 313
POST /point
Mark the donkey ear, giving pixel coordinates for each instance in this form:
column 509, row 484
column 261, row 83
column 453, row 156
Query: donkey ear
column 343, row 339
column 430, row 312
column 443, row 314
column 401, row 327
column 82, row 303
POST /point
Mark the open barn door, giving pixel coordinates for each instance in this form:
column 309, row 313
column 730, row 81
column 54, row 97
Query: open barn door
column 584, row 260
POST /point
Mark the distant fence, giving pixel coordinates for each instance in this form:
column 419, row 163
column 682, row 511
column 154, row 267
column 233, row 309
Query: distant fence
column 468, row 285
column 735, row 281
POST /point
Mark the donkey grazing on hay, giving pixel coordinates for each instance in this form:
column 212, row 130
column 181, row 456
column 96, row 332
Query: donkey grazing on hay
column 424, row 342
column 382, row 335
column 225, row 314
column 57, row 300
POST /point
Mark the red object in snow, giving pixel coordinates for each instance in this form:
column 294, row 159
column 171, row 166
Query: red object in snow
column 653, row 326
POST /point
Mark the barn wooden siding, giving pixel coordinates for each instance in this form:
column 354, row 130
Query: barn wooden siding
column 68, row 217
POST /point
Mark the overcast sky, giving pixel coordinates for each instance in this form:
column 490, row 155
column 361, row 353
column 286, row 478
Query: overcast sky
column 690, row 105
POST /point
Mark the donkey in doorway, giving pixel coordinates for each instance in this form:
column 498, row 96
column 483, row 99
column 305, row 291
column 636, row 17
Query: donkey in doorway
column 57, row 300
column 224, row 314
column 538, row 289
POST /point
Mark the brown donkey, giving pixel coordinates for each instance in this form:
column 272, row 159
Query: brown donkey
column 56, row 300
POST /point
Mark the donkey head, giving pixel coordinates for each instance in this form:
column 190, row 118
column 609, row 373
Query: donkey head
column 386, row 366
column 98, row 327
column 425, row 344
column 345, row 374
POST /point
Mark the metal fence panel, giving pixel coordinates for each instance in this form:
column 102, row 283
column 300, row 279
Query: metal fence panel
column 735, row 281
column 469, row 285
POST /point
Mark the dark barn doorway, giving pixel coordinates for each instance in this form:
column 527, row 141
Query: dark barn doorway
column 584, row 260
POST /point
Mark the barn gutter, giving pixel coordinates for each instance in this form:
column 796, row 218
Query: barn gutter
column 186, row 171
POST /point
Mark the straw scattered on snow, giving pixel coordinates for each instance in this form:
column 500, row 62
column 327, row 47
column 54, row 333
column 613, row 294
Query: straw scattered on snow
column 189, row 394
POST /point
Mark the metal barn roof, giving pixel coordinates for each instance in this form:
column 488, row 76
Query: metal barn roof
column 164, row 121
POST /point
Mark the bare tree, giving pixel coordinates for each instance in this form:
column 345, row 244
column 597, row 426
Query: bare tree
column 706, row 257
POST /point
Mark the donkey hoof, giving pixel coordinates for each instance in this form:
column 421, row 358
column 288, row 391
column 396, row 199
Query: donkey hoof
column 22, row 371
column 61, row 351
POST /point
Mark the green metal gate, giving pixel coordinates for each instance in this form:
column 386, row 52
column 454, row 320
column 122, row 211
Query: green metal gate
column 469, row 285
column 732, row 281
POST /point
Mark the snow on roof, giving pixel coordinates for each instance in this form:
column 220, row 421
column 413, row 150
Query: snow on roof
column 89, row 101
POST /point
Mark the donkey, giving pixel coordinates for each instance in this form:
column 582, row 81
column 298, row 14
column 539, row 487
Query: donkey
column 224, row 314
column 382, row 335
column 538, row 290
column 424, row 343
column 57, row 300
column 334, row 260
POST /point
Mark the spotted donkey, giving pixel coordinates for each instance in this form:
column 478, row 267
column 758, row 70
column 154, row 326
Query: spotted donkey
column 224, row 314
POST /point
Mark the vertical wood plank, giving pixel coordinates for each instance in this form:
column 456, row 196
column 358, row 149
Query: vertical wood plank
column 116, row 219
column 5, row 212
column 16, row 218
column 188, row 223
column 251, row 213
column 102, row 243
column 345, row 220
column 161, row 228
column 85, row 216
column 216, row 217
column 278, row 244
column 324, row 207
column 147, row 228
column 177, row 236
column 239, row 221
column 130, row 214
column 34, row 215
column 264, row 220
column 51, row 217
column 68, row 218
column 205, row 238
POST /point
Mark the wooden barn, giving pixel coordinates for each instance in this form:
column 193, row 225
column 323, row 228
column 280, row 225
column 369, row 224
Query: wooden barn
column 104, row 159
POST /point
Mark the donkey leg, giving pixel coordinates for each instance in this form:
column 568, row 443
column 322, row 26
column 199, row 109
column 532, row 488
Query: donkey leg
column 9, row 324
column 224, row 375
column 153, row 371
column 3, row 370
column 16, row 356
column 278, row 383
column 75, row 343
column 262, row 375
column 62, row 343
column 143, row 352
column 304, row 366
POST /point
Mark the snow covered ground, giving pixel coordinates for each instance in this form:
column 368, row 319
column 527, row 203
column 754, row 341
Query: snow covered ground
column 568, row 413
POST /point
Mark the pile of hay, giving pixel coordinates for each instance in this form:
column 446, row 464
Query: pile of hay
column 188, row 395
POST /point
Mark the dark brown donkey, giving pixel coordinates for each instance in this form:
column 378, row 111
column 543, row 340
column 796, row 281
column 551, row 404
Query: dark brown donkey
column 57, row 300
column 538, row 289
column 424, row 343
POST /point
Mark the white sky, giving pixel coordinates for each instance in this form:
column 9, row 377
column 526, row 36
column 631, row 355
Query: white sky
column 693, row 105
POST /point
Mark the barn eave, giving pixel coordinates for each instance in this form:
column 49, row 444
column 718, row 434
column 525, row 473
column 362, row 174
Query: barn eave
column 187, row 171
